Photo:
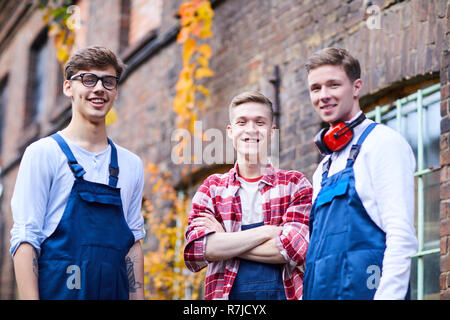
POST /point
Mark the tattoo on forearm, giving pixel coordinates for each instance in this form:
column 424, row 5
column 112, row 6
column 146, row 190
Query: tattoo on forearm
column 132, row 283
column 35, row 265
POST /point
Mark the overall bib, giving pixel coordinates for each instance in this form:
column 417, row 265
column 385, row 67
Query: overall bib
column 257, row 281
column 345, row 253
column 84, row 258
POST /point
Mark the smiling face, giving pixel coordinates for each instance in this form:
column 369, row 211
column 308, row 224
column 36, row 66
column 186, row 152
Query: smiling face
column 91, row 103
column 251, row 129
column 333, row 95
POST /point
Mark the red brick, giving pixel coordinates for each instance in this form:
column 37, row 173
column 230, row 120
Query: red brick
column 444, row 108
column 443, row 281
column 445, row 227
column 444, row 245
column 445, row 157
column 445, row 263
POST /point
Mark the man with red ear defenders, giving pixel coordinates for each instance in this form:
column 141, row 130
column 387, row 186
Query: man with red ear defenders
column 361, row 226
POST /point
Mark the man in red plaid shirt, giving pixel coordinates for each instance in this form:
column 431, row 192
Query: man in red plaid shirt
column 250, row 225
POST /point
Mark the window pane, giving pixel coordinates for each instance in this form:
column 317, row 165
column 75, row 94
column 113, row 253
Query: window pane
column 431, row 276
column 431, row 217
column 40, row 80
column 413, row 279
column 431, row 134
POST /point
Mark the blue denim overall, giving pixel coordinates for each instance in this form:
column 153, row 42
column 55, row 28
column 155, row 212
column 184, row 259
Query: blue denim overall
column 345, row 253
column 257, row 281
column 84, row 258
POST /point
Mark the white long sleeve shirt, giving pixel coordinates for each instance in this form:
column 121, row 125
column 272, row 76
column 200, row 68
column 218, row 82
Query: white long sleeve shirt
column 384, row 181
column 45, row 180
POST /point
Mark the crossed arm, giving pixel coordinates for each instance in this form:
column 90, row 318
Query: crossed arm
column 257, row 244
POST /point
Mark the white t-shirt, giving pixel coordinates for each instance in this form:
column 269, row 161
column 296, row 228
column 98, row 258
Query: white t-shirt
column 45, row 181
column 251, row 202
column 384, row 181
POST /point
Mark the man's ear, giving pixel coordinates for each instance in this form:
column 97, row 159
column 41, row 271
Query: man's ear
column 272, row 130
column 357, row 86
column 67, row 89
column 229, row 132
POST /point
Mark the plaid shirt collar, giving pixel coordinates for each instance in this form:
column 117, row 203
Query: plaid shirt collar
column 268, row 178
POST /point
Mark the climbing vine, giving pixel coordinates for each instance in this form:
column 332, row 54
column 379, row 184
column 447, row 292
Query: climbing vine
column 165, row 274
column 196, row 18
column 60, row 22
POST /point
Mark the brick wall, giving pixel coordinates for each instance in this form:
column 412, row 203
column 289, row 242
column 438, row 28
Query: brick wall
column 445, row 169
column 250, row 39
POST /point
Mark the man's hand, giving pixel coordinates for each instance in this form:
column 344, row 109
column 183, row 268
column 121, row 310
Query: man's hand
column 207, row 221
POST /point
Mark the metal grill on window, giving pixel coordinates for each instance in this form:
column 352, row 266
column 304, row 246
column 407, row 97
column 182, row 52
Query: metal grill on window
column 417, row 118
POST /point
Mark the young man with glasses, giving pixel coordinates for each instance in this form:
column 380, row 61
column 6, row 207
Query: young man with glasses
column 77, row 200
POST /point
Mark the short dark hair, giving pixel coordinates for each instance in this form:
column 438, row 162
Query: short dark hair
column 335, row 57
column 91, row 58
column 250, row 96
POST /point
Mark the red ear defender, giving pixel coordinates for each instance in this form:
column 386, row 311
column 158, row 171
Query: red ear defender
column 336, row 137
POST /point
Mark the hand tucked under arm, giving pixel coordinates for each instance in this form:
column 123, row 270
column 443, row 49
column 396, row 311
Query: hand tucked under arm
column 266, row 252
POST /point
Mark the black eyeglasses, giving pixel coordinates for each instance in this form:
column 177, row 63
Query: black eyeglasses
column 90, row 80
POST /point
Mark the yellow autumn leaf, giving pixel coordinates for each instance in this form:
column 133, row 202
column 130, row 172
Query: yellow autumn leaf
column 203, row 90
column 188, row 50
column 203, row 61
column 205, row 32
column 183, row 35
column 62, row 55
column 205, row 50
column 111, row 117
column 204, row 11
column 203, row 72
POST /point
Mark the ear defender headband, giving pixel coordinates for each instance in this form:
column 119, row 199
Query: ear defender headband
column 329, row 140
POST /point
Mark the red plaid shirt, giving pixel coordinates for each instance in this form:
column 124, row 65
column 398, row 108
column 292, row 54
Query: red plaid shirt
column 287, row 202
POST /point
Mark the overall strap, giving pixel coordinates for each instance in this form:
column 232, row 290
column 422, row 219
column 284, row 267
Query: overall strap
column 354, row 151
column 113, row 166
column 76, row 168
column 325, row 168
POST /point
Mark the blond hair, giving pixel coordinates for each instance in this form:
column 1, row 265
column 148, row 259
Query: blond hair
column 250, row 96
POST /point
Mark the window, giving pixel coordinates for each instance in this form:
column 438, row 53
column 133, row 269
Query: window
column 145, row 16
column 417, row 117
column 37, row 79
column 138, row 19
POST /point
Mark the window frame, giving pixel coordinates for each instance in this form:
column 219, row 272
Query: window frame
column 376, row 115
